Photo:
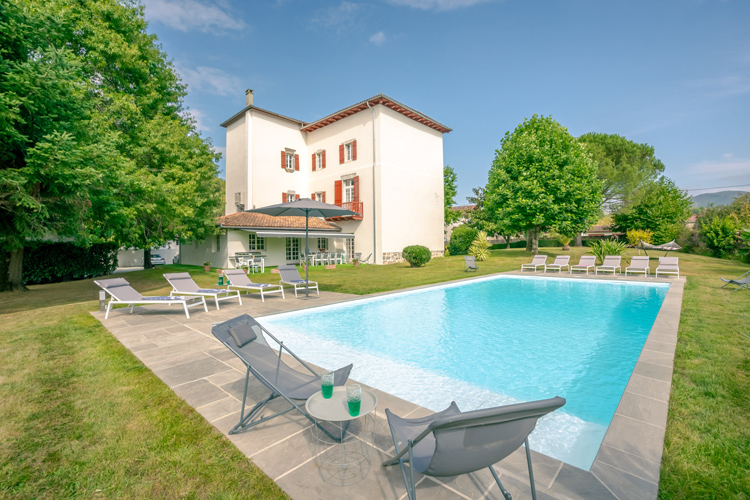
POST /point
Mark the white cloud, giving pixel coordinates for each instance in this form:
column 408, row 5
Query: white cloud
column 340, row 16
column 210, row 80
column 189, row 15
column 199, row 118
column 727, row 171
column 378, row 38
column 438, row 5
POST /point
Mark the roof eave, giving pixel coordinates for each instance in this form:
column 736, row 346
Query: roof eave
column 237, row 115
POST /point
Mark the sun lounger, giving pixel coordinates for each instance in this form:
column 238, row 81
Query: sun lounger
column 470, row 263
column 611, row 264
column 586, row 263
column 290, row 276
column 121, row 292
column 742, row 281
column 451, row 442
column 560, row 262
column 237, row 279
column 668, row 265
column 536, row 262
column 183, row 284
column 245, row 338
column 638, row 265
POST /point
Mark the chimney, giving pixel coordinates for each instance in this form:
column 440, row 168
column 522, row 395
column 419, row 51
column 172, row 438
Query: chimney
column 249, row 97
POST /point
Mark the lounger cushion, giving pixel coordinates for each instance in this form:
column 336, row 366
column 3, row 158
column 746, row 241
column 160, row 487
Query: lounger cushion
column 244, row 333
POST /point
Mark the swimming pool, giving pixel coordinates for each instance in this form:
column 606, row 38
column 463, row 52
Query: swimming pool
column 493, row 341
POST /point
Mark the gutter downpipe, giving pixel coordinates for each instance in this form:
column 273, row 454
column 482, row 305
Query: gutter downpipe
column 374, row 220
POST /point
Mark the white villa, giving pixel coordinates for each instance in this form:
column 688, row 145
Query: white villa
column 378, row 158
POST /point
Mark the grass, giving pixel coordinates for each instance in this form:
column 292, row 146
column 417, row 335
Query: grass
column 81, row 416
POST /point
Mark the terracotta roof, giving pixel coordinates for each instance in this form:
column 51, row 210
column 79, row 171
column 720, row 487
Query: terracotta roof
column 248, row 220
column 463, row 208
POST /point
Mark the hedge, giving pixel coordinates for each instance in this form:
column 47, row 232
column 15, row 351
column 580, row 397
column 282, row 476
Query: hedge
column 461, row 239
column 47, row 262
column 545, row 243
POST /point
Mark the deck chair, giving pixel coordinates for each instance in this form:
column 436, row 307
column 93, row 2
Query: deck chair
column 560, row 262
column 611, row 264
column 365, row 261
column 470, row 264
column 290, row 276
column 245, row 338
column 741, row 282
column 121, row 292
column 183, row 284
column 587, row 262
column 638, row 265
column 451, row 442
column 538, row 260
column 668, row 265
column 237, row 279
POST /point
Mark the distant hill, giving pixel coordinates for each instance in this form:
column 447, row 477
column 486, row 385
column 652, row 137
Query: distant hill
column 716, row 199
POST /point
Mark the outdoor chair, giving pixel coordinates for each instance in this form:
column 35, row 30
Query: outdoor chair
column 254, row 264
column 560, row 262
column 244, row 336
column 587, row 262
column 470, row 263
column 451, row 442
column 611, row 264
column 538, row 260
column 183, row 284
column 365, row 261
column 121, row 292
column 237, row 279
column 638, row 265
column 668, row 265
column 290, row 276
column 740, row 282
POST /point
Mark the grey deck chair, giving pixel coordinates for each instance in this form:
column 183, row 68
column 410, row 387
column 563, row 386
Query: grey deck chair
column 560, row 262
column 183, row 284
column 271, row 371
column 611, row 264
column 121, row 292
column 538, row 260
column 451, row 442
column 366, row 260
column 741, row 282
column 587, row 262
column 638, row 265
column 290, row 276
column 668, row 265
column 470, row 263
column 239, row 280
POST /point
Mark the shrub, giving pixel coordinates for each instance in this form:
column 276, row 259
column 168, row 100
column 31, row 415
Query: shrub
column 720, row 235
column 635, row 236
column 46, row 262
column 745, row 242
column 604, row 248
column 461, row 239
column 416, row 255
column 480, row 247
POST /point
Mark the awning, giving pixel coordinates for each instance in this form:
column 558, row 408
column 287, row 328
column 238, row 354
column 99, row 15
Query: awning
column 299, row 234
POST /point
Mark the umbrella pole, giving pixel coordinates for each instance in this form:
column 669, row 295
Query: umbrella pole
column 307, row 255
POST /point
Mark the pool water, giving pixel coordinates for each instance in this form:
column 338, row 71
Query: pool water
column 493, row 341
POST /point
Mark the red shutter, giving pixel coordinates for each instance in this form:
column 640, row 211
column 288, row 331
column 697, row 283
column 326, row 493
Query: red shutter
column 337, row 192
column 354, row 149
column 356, row 188
column 283, row 159
column 296, row 163
column 283, row 197
column 324, row 197
column 313, row 162
column 324, row 159
column 341, row 153
column 296, row 197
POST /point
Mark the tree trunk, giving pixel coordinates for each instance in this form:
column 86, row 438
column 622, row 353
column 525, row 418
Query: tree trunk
column 528, row 240
column 579, row 240
column 147, row 259
column 507, row 241
column 11, row 271
column 534, row 237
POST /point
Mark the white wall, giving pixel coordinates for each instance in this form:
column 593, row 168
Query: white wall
column 195, row 253
column 130, row 257
column 236, row 164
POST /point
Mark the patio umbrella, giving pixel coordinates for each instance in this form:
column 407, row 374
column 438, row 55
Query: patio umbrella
column 304, row 207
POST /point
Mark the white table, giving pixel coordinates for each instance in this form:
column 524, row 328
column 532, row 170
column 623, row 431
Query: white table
column 348, row 461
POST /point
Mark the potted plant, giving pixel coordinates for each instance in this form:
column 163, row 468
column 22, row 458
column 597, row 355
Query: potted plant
column 355, row 262
column 246, row 269
column 207, row 266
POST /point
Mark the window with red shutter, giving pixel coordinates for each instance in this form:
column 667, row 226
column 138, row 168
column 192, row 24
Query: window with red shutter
column 283, row 160
column 337, row 192
column 314, row 161
column 324, row 158
column 283, row 197
column 324, row 197
column 296, row 163
column 296, row 197
column 354, row 149
column 341, row 153
column 356, row 188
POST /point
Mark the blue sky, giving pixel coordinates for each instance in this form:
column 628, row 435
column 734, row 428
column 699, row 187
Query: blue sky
column 673, row 74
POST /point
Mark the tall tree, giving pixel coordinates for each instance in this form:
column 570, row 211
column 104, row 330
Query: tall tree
column 542, row 178
column 450, row 188
column 481, row 219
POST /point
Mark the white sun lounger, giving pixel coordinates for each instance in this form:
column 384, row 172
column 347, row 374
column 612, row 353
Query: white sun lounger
column 536, row 262
column 290, row 276
column 587, row 262
column 668, row 265
column 121, row 292
column 560, row 262
column 239, row 280
column 183, row 284
column 611, row 264
column 638, row 265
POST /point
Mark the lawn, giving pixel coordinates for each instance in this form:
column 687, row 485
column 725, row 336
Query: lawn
column 81, row 416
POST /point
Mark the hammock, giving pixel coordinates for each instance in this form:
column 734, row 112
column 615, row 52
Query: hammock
column 669, row 246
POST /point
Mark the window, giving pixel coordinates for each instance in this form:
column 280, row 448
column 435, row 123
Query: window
column 255, row 242
column 323, row 244
column 319, row 196
column 350, row 248
column 218, row 243
column 349, row 190
column 289, row 196
column 289, row 160
column 319, row 160
column 348, row 151
column 292, row 249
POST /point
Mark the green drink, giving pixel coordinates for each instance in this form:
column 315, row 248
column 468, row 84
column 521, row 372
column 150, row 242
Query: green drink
column 354, row 407
column 327, row 390
column 326, row 384
column 354, row 399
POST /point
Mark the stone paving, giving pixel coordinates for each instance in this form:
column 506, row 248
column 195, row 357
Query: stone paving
column 185, row 355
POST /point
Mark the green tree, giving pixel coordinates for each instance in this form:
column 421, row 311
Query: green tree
column 663, row 209
column 450, row 188
column 479, row 218
column 542, row 178
column 720, row 235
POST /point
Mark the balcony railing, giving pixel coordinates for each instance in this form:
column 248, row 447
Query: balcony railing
column 354, row 206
